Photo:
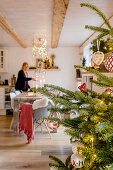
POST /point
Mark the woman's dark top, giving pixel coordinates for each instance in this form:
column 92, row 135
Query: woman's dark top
column 22, row 81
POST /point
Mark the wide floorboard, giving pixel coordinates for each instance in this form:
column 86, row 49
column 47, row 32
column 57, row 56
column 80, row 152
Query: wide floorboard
column 15, row 154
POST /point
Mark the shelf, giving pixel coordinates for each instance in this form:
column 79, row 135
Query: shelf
column 5, row 93
column 46, row 69
column 7, row 86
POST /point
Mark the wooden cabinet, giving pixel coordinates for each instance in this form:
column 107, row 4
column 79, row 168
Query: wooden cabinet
column 5, row 102
column 3, row 60
column 2, row 98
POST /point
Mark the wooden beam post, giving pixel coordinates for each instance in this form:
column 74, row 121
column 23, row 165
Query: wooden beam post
column 59, row 12
column 10, row 30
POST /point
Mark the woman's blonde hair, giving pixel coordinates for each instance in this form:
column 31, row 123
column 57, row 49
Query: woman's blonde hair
column 24, row 64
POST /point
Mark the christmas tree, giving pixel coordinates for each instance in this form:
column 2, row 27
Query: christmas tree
column 92, row 128
column 94, row 125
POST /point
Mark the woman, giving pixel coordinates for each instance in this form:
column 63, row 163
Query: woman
column 22, row 80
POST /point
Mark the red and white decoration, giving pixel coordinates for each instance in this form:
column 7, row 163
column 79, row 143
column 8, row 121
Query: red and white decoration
column 53, row 125
column 98, row 57
column 109, row 62
column 77, row 161
column 108, row 91
column 82, row 87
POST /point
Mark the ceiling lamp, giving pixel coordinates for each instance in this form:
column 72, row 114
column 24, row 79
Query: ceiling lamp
column 39, row 47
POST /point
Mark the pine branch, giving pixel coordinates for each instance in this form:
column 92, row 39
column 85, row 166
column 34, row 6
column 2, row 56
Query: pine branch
column 63, row 110
column 58, row 161
column 102, row 119
column 109, row 134
column 102, row 84
column 100, row 13
column 100, row 36
column 63, row 90
column 106, row 129
column 80, row 96
column 98, row 29
column 68, row 160
column 63, row 102
column 53, row 165
column 44, row 92
column 66, row 166
column 74, row 133
column 93, row 94
column 105, row 125
column 74, row 95
column 110, row 42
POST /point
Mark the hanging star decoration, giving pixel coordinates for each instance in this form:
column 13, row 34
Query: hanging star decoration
column 83, row 87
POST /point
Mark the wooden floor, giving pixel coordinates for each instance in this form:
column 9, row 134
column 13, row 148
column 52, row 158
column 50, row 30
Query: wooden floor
column 15, row 154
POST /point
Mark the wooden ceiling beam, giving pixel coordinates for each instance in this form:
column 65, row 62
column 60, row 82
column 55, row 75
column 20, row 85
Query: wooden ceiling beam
column 59, row 12
column 10, row 30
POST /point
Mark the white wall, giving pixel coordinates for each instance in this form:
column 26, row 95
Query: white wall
column 66, row 58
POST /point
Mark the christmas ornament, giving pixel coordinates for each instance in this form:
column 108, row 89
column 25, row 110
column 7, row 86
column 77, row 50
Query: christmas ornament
column 109, row 62
column 53, row 125
column 98, row 57
column 82, row 87
column 108, row 91
column 77, row 161
column 75, row 146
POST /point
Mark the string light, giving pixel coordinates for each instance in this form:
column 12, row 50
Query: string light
column 92, row 142
column 101, row 102
column 40, row 46
column 91, row 139
column 42, row 50
column 110, row 48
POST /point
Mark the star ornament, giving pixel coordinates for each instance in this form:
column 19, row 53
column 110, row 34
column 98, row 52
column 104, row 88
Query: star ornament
column 83, row 87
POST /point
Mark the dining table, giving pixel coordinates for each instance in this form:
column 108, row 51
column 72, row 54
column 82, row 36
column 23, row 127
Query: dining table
column 24, row 97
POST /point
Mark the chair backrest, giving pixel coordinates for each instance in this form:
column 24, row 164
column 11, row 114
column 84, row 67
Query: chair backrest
column 12, row 96
column 42, row 112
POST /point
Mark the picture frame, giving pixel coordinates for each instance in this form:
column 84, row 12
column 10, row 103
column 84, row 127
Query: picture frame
column 39, row 63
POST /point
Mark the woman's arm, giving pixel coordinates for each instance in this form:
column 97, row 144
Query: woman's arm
column 23, row 76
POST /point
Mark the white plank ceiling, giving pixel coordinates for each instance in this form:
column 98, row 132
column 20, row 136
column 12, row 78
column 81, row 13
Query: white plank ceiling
column 35, row 16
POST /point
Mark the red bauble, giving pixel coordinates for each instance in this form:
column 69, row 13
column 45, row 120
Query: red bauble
column 108, row 91
column 109, row 62
column 82, row 87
